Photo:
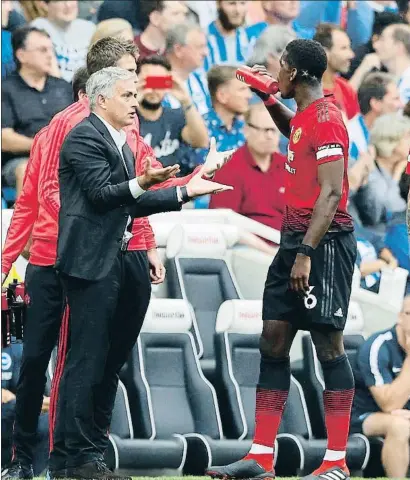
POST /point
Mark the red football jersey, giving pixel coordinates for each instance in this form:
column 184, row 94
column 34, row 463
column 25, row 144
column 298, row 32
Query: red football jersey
column 408, row 164
column 318, row 135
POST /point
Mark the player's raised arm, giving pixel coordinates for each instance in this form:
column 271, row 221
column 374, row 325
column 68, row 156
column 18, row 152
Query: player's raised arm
column 262, row 83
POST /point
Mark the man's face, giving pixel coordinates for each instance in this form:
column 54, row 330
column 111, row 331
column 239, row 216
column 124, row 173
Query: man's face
column 37, row 55
column 232, row 14
column 285, row 10
column 63, row 12
column 391, row 102
column 152, row 97
column 194, row 52
column 128, row 62
column 174, row 13
column 261, row 133
column 235, row 96
column 285, row 78
column 121, row 107
column 404, row 317
column 340, row 55
column 385, row 46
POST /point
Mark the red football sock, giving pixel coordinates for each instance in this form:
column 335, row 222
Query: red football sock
column 269, row 409
column 338, row 405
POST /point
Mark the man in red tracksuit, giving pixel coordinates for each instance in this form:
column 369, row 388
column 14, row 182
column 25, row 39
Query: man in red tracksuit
column 36, row 213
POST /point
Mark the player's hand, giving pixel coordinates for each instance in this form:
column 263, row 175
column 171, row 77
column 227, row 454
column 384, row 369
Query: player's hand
column 215, row 160
column 299, row 276
column 156, row 267
column 153, row 176
column 261, row 70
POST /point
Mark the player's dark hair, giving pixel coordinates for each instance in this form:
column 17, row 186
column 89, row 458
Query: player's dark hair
column 19, row 39
column 384, row 19
column 79, row 81
column 309, row 59
column 154, row 60
column 324, row 34
column 374, row 86
column 107, row 51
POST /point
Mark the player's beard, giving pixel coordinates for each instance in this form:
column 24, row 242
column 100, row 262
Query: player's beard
column 150, row 106
column 225, row 22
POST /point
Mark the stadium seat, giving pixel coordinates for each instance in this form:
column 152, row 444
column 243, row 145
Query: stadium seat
column 130, row 454
column 169, row 393
column 238, row 328
column 199, row 272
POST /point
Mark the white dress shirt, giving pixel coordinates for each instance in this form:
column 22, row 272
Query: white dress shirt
column 120, row 139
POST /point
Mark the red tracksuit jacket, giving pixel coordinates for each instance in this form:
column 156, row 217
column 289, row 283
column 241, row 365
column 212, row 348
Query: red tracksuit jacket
column 36, row 209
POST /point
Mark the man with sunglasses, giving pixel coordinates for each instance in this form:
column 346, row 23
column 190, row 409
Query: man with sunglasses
column 256, row 172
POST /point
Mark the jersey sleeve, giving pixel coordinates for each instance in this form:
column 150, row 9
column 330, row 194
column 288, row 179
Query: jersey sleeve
column 373, row 362
column 330, row 141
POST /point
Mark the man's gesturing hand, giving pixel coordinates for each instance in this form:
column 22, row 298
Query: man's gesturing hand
column 156, row 267
column 152, row 176
column 299, row 276
column 215, row 160
column 198, row 186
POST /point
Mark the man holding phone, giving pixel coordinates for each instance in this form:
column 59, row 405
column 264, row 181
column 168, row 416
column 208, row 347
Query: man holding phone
column 166, row 129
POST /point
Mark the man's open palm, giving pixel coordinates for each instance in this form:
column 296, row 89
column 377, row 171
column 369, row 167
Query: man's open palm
column 216, row 160
column 198, row 186
column 152, row 176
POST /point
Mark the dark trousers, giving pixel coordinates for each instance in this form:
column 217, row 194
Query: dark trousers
column 44, row 313
column 40, row 452
column 105, row 320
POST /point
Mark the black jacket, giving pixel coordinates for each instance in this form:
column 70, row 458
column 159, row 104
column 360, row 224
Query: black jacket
column 96, row 201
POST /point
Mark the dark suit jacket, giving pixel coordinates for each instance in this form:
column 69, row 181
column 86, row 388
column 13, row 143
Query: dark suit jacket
column 96, row 201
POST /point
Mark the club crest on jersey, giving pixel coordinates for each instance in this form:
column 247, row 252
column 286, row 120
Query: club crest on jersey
column 297, row 135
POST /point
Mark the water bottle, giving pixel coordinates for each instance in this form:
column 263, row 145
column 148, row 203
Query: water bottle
column 18, row 309
column 257, row 81
column 5, row 321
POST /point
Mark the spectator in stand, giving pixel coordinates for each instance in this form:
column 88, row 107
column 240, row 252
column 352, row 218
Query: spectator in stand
column 256, row 172
column 393, row 49
column 114, row 27
column 229, row 41
column 10, row 367
column 339, row 55
column 164, row 128
column 186, row 50
column 70, row 35
column 267, row 52
column 381, row 405
column 127, row 9
column 230, row 101
column 158, row 17
column 380, row 199
column 79, row 82
column 7, row 62
column 365, row 55
column 31, row 97
column 377, row 96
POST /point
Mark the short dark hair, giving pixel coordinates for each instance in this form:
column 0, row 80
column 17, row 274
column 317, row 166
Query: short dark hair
column 309, row 59
column 219, row 75
column 146, row 7
column 324, row 34
column 383, row 20
column 154, row 60
column 106, row 52
column 79, row 81
column 373, row 86
column 19, row 39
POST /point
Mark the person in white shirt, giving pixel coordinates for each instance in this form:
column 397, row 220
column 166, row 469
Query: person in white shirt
column 393, row 49
column 71, row 36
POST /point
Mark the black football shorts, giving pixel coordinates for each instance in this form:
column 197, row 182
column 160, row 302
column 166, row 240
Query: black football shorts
column 326, row 304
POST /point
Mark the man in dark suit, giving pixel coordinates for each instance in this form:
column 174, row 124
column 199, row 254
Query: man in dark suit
column 99, row 196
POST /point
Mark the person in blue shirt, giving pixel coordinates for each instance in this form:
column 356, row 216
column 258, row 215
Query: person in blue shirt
column 381, row 405
column 10, row 366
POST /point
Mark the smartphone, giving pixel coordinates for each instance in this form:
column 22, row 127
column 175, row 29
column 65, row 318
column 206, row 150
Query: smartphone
column 159, row 83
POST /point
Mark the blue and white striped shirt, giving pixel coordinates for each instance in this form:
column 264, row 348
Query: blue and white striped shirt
column 359, row 137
